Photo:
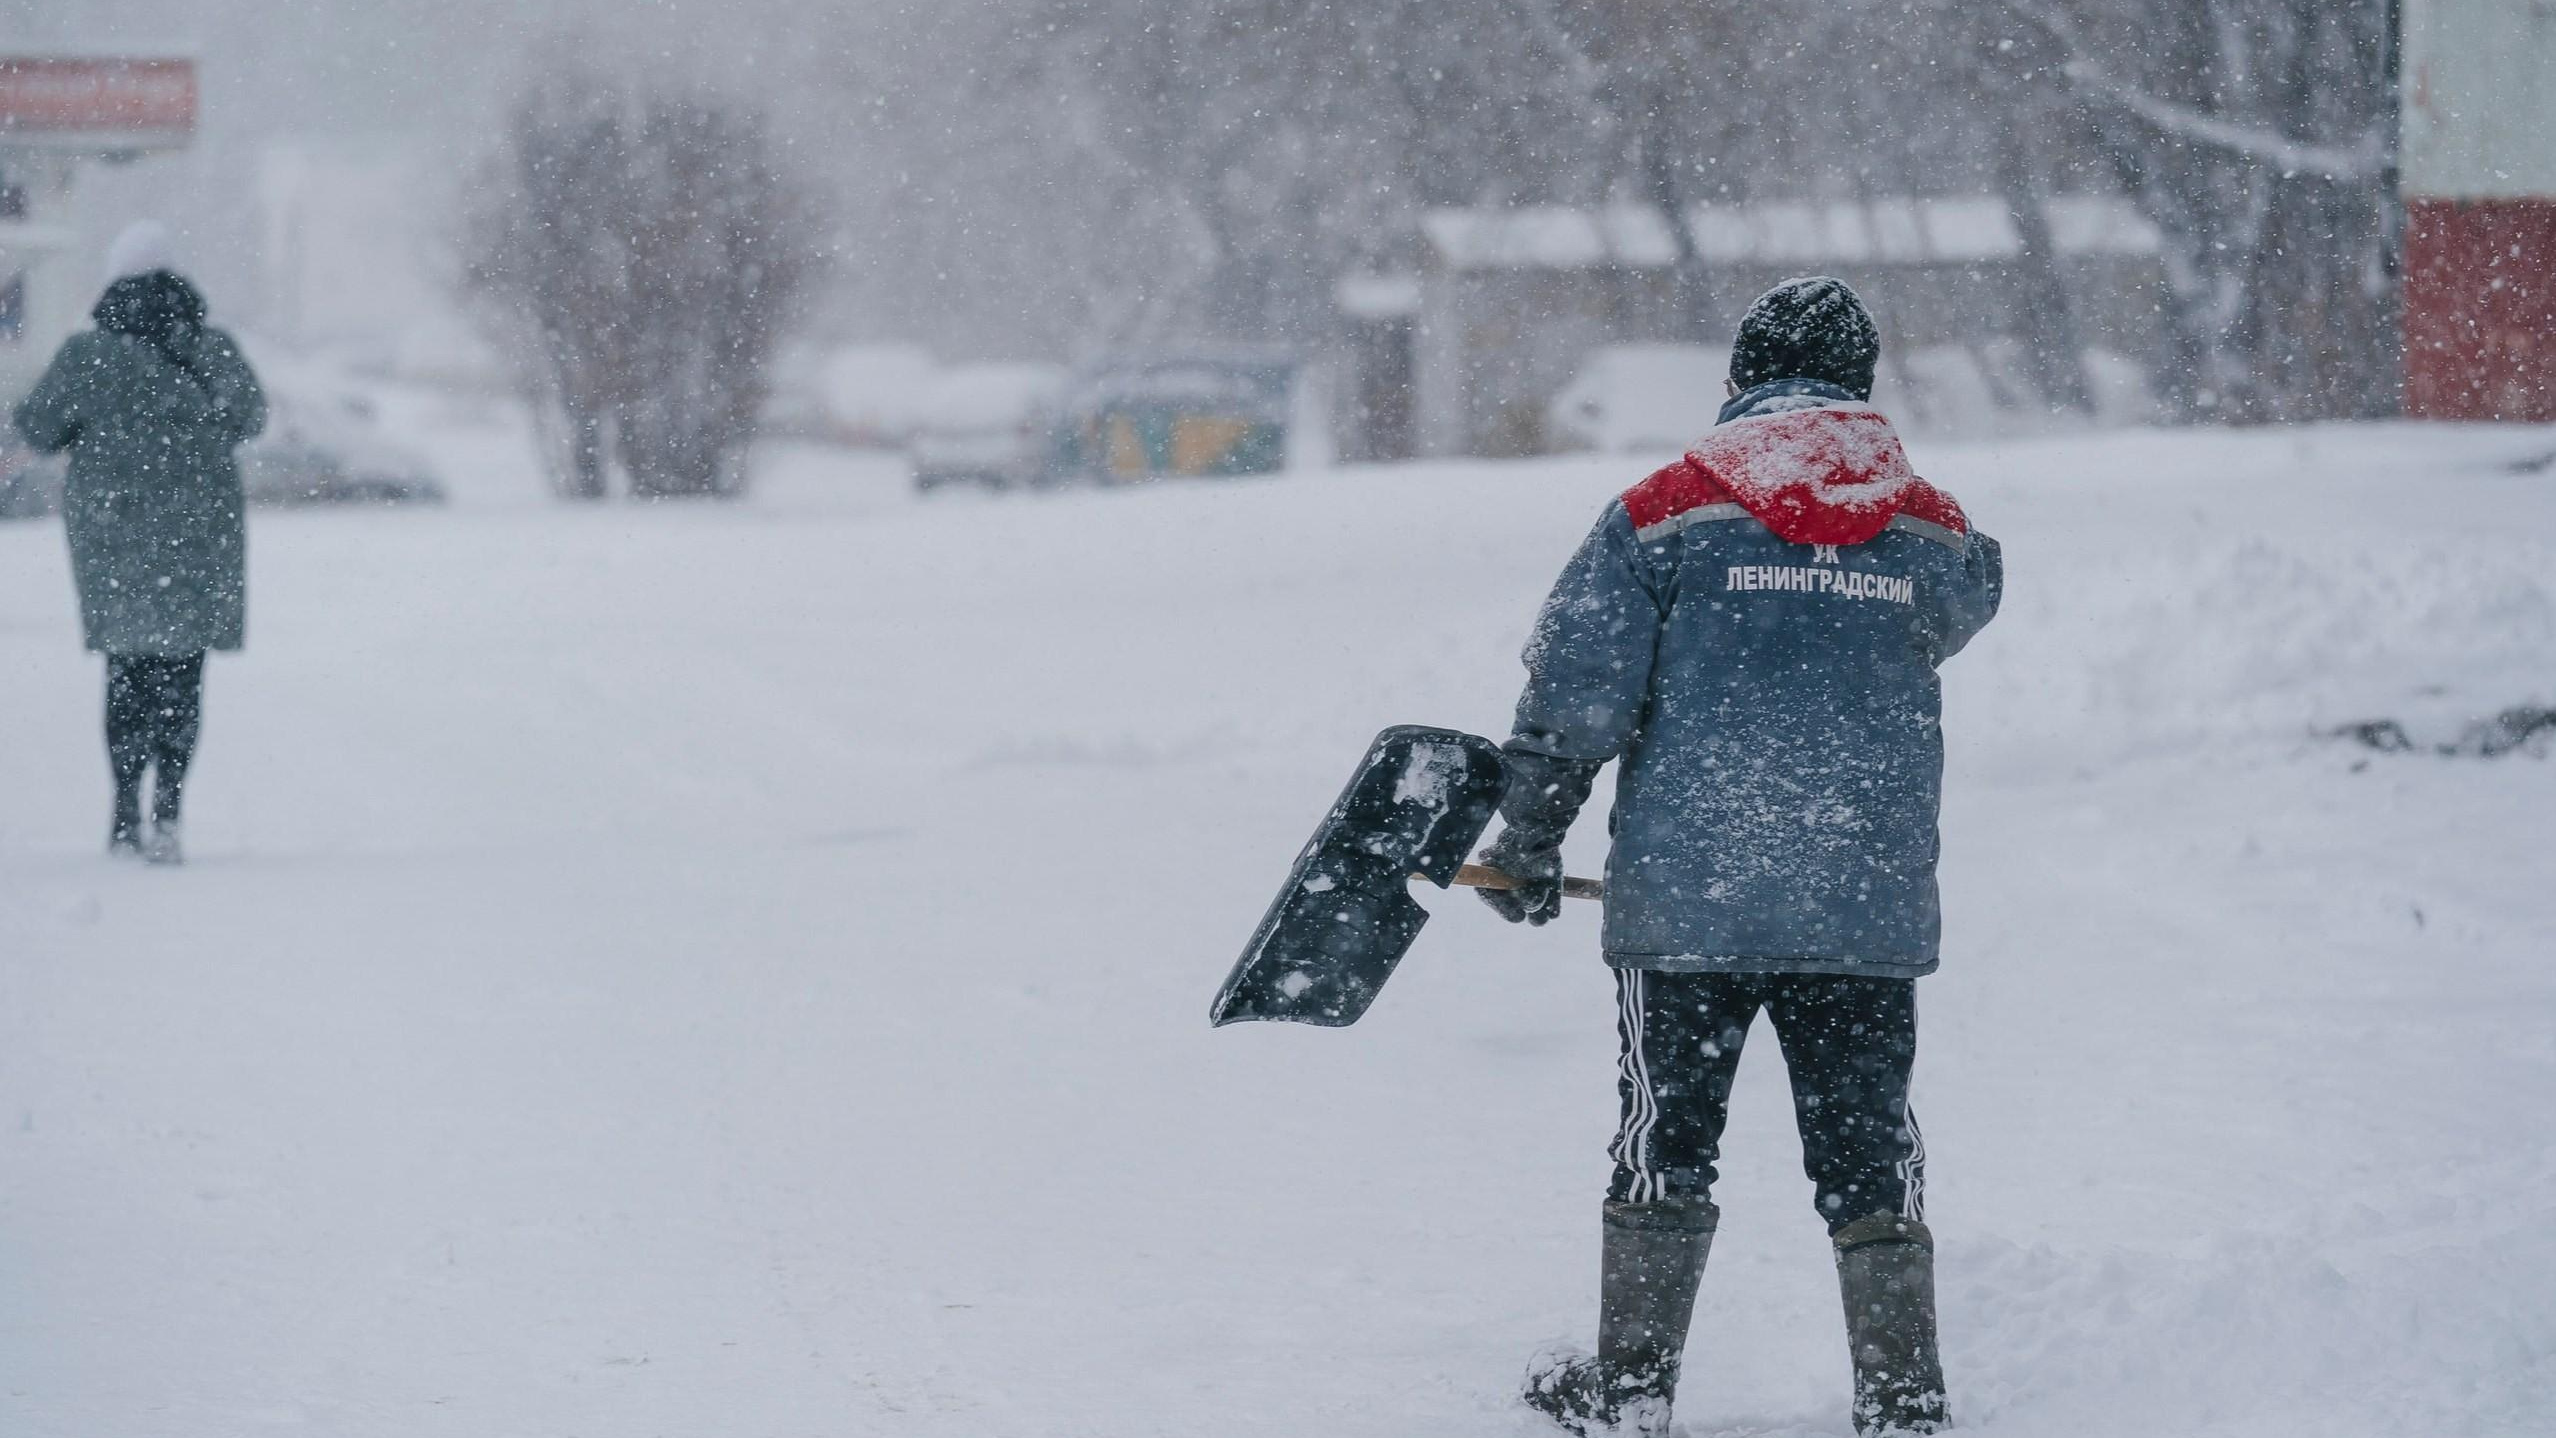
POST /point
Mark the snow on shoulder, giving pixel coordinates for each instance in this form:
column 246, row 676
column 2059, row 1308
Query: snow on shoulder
column 1830, row 474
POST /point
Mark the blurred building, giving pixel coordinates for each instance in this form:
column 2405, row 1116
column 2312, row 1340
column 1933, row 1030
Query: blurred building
column 61, row 113
column 1463, row 354
column 2479, row 178
column 356, row 241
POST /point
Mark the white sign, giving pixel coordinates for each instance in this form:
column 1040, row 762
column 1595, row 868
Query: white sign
column 2480, row 99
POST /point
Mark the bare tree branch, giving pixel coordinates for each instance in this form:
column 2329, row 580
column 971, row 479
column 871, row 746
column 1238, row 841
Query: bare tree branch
column 2363, row 158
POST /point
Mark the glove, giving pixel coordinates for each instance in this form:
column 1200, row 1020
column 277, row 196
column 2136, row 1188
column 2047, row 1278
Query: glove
column 1536, row 865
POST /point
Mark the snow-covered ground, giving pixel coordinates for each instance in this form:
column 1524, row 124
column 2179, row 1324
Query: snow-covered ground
column 742, row 970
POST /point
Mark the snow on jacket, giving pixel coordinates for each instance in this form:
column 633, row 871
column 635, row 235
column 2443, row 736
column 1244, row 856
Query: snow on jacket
column 152, row 404
column 1753, row 632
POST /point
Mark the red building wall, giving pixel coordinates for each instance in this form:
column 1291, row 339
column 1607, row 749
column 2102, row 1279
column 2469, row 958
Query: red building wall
column 2480, row 309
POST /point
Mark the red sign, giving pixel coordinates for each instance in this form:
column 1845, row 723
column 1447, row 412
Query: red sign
column 123, row 97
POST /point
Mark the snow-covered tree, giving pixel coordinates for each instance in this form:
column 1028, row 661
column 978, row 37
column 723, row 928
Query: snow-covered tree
column 2260, row 135
column 1051, row 177
column 642, row 250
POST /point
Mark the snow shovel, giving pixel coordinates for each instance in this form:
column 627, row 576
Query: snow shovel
column 1417, row 805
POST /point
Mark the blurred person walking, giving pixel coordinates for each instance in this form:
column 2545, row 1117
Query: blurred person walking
column 151, row 403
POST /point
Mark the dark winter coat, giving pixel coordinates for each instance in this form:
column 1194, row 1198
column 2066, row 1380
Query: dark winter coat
column 152, row 404
column 1753, row 632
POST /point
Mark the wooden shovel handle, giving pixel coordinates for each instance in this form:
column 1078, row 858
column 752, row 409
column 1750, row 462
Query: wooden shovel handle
column 1480, row 876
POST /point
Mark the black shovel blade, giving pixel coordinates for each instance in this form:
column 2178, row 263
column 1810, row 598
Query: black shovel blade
column 1417, row 805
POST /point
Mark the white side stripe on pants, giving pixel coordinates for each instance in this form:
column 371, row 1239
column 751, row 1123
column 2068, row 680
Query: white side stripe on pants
column 1912, row 1169
column 1632, row 1147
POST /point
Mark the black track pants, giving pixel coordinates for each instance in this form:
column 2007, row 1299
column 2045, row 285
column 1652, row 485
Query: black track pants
column 1848, row 1044
column 154, row 711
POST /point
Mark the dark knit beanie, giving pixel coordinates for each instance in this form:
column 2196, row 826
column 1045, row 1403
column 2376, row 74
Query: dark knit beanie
column 1808, row 328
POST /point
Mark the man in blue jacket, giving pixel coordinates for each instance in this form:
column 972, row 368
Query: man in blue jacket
column 1752, row 633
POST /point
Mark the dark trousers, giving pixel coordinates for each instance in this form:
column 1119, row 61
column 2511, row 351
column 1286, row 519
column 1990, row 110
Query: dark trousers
column 154, row 710
column 1848, row 1044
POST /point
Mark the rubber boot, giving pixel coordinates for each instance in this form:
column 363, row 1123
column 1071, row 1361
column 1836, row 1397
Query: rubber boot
column 124, row 829
column 1886, row 1274
column 124, row 826
column 162, row 845
column 1653, row 1262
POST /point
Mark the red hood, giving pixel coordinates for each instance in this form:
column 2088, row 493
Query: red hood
column 1831, row 475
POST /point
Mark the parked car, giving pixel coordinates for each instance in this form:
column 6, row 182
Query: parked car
column 319, row 447
column 322, row 448
column 30, row 483
column 1639, row 397
column 985, row 425
column 1202, row 413
column 870, row 395
column 1662, row 397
